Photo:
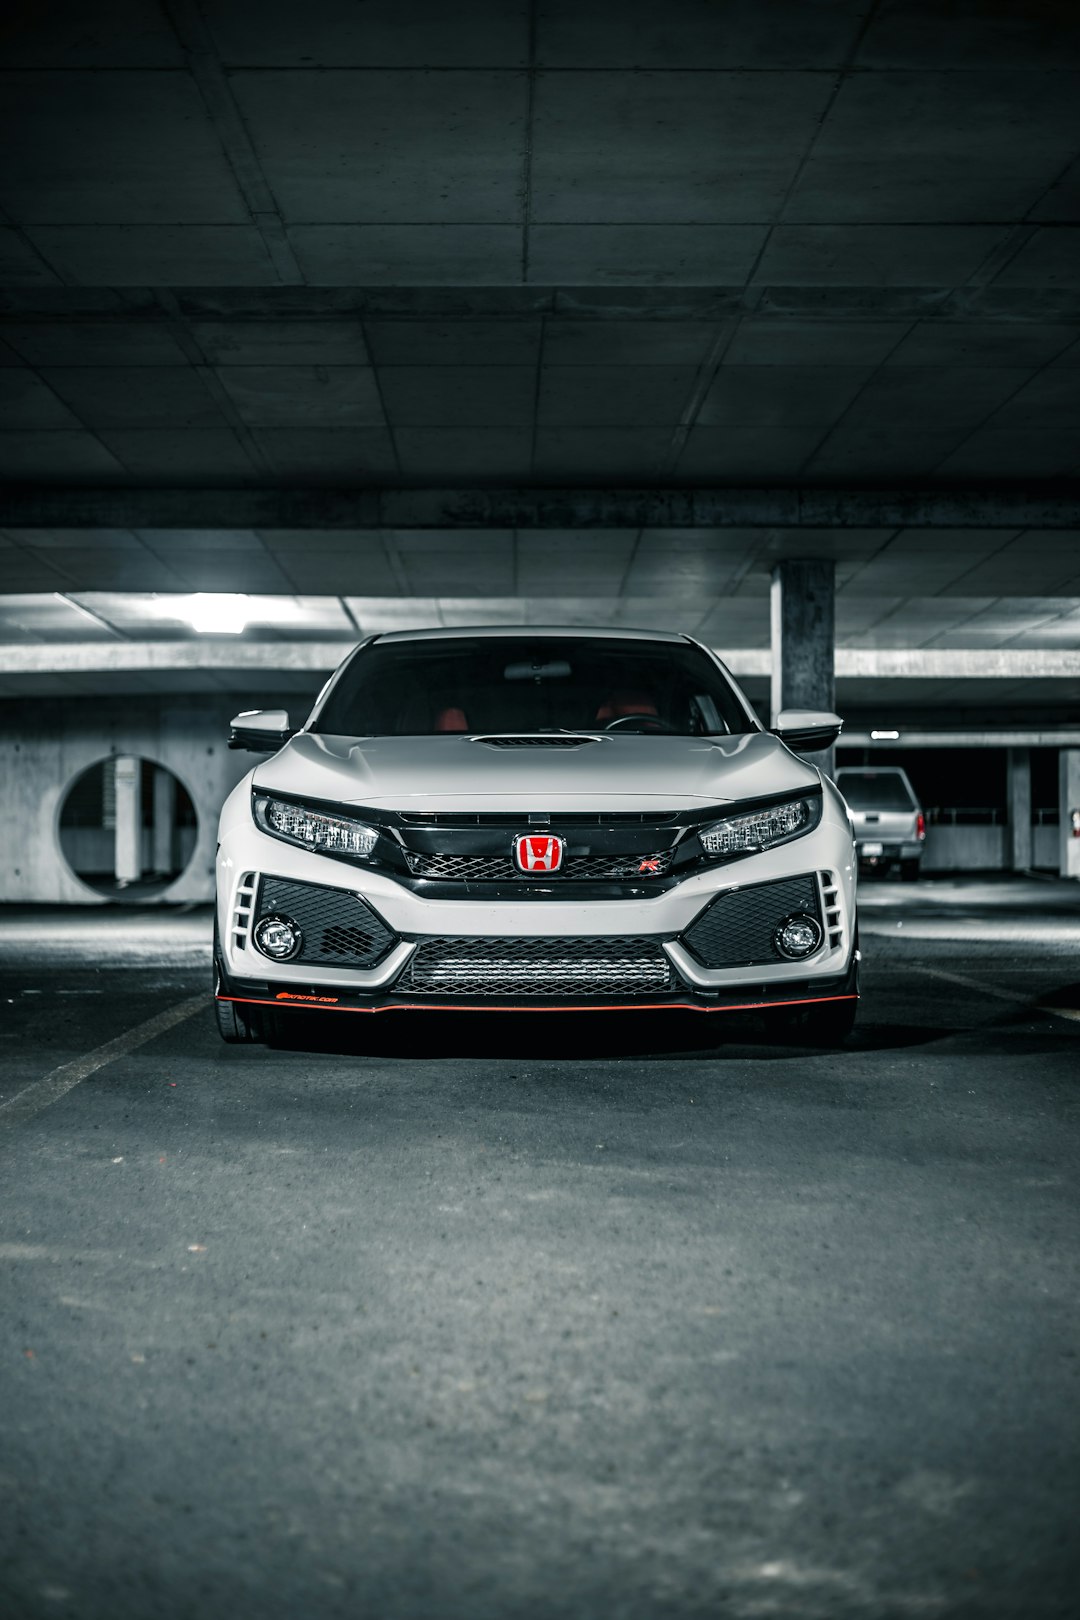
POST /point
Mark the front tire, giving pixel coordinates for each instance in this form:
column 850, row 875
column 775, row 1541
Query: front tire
column 238, row 1025
column 826, row 1023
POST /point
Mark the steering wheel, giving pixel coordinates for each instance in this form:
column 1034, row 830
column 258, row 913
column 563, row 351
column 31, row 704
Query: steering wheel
column 646, row 722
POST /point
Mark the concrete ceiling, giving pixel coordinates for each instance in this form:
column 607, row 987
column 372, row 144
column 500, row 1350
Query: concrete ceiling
column 250, row 244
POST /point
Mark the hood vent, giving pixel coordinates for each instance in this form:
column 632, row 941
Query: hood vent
column 542, row 741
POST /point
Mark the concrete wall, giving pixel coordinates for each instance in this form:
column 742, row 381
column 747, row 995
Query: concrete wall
column 964, row 849
column 1046, row 851
column 985, row 849
column 45, row 744
column 91, row 849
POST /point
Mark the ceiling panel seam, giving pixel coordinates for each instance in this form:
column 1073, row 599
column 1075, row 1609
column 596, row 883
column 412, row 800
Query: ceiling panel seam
column 527, row 153
column 536, row 394
column 999, row 405
column 846, row 66
column 376, row 379
column 75, row 415
column 186, row 340
column 703, row 381
column 38, row 556
column 1002, row 254
column 872, row 376
column 31, row 246
column 867, row 561
column 211, row 80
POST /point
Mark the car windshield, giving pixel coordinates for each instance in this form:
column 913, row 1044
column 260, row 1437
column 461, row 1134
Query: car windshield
column 875, row 790
column 522, row 684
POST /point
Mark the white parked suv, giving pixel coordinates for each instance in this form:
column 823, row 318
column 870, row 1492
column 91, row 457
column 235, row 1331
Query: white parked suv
column 561, row 819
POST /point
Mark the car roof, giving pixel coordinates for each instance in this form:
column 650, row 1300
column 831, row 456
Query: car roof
column 530, row 632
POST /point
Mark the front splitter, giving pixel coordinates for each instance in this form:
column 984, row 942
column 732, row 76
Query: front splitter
column 742, row 998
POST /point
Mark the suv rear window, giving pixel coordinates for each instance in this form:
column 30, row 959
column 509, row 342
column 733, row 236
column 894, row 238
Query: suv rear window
column 525, row 684
column 875, row 790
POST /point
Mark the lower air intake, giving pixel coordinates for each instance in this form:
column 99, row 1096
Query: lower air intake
column 739, row 928
column 516, row 967
column 339, row 929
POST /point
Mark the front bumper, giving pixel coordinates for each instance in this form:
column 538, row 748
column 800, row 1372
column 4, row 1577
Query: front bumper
column 668, row 927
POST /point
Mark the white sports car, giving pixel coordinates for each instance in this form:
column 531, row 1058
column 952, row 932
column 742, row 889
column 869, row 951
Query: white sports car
column 535, row 819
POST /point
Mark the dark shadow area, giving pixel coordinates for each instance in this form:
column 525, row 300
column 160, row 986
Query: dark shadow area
column 1065, row 999
column 574, row 1037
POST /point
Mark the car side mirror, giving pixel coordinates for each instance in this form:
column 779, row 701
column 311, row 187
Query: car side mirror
column 260, row 731
column 807, row 731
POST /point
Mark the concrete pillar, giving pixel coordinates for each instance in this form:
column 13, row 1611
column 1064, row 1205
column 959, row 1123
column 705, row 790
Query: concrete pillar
column 1019, row 788
column 804, row 639
column 128, row 834
column 1069, row 800
column 164, row 858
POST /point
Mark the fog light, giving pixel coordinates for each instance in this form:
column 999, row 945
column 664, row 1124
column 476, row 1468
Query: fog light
column 279, row 938
column 797, row 936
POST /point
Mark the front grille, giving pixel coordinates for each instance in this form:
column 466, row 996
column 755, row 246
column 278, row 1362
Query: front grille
column 737, row 929
column 527, row 966
column 576, row 868
column 535, row 742
column 339, row 929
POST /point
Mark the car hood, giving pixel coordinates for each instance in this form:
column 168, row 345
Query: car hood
column 453, row 772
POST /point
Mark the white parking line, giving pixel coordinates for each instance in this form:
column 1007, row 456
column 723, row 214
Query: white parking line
column 1002, row 995
column 42, row 1093
column 970, row 984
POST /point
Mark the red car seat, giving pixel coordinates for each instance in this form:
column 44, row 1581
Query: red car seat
column 620, row 703
column 451, row 720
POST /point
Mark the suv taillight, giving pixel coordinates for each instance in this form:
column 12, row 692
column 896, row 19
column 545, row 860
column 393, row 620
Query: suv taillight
column 920, row 825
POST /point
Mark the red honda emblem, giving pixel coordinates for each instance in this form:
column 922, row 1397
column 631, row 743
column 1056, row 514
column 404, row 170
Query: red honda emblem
column 538, row 854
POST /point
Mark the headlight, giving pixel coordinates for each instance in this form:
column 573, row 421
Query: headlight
column 314, row 829
column 762, row 829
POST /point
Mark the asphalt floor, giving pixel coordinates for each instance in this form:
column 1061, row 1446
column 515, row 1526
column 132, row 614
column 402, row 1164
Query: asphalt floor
column 623, row 1316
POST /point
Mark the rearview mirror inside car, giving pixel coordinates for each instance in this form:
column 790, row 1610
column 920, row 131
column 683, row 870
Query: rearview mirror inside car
column 260, row 731
column 807, row 731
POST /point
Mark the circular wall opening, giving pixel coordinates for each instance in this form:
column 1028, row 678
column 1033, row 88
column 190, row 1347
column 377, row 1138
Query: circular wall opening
column 127, row 827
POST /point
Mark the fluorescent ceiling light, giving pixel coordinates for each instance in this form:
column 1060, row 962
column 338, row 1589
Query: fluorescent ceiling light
column 884, row 736
column 217, row 613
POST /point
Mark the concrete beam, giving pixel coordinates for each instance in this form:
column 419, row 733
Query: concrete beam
column 775, row 302
column 267, row 658
column 29, row 507
column 892, row 663
column 1020, row 737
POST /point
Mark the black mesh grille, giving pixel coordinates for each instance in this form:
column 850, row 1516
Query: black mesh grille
column 526, row 966
column 339, row 929
column 737, row 929
column 502, row 868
